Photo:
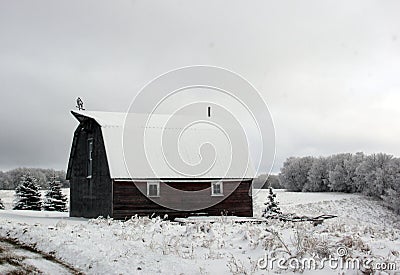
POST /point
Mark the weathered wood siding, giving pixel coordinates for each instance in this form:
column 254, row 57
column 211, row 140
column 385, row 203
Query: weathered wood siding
column 89, row 197
column 130, row 199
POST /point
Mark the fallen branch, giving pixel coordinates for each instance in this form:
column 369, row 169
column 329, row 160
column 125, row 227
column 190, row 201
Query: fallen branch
column 315, row 220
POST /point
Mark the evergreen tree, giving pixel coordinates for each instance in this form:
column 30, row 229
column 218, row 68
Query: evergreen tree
column 27, row 194
column 272, row 211
column 55, row 200
column 1, row 205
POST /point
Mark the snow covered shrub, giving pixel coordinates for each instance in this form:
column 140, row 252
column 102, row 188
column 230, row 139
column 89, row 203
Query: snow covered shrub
column 55, row 200
column 27, row 194
column 1, row 205
column 272, row 211
column 307, row 242
column 236, row 266
column 354, row 242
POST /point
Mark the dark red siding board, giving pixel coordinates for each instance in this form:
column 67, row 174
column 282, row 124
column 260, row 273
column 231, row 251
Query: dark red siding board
column 128, row 200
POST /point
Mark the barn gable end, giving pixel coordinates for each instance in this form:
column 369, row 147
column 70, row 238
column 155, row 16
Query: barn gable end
column 89, row 196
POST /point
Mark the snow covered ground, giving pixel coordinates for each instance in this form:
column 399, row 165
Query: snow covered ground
column 364, row 229
column 15, row 259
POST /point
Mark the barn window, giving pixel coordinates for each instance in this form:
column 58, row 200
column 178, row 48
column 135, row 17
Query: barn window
column 153, row 189
column 90, row 158
column 217, row 188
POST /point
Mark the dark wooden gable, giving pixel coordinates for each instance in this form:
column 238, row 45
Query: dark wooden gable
column 89, row 196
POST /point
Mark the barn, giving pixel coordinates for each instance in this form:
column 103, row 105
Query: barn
column 103, row 184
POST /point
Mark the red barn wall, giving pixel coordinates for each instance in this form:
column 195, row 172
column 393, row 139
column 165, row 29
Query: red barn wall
column 130, row 198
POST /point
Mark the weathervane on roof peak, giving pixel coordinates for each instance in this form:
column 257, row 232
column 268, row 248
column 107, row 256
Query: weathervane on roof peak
column 79, row 104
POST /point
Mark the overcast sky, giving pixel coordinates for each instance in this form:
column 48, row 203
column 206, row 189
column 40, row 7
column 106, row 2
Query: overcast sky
column 328, row 70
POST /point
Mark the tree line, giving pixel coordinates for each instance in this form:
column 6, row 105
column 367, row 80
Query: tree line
column 265, row 181
column 375, row 175
column 9, row 180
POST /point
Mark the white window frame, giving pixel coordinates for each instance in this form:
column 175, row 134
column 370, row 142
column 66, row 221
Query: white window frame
column 89, row 165
column 156, row 183
column 221, row 184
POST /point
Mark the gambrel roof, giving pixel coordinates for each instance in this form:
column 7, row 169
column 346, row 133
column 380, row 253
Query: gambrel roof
column 125, row 136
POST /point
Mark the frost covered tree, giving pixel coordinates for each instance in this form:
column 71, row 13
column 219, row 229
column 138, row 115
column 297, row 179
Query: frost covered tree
column 337, row 172
column 364, row 173
column 351, row 166
column 27, row 194
column 10, row 179
column 318, row 176
column 272, row 210
column 294, row 173
column 392, row 197
column 337, row 179
column 273, row 181
column 1, row 205
column 342, row 172
column 374, row 174
column 4, row 180
column 391, row 194
column 55, row 200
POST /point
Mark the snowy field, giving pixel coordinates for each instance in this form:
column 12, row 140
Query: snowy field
column 364, row 229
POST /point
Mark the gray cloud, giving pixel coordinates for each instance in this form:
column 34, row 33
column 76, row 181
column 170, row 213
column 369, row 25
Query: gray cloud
column 328, row 70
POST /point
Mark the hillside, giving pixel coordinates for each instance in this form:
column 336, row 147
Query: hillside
column 364, row 228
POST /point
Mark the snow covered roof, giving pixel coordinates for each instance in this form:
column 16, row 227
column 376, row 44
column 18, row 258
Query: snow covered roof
column 142, row 147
